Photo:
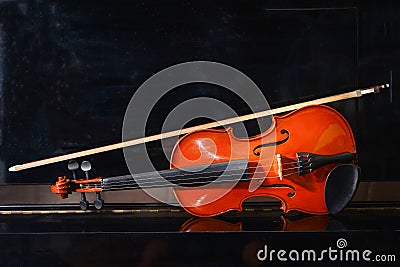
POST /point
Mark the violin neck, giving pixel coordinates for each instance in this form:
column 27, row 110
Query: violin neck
column 232, row 171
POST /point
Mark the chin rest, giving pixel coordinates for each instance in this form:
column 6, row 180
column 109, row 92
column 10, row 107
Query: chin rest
column 340, row 187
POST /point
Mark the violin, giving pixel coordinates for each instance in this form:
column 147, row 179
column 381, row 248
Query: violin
column 307, row 159
column 311, row 147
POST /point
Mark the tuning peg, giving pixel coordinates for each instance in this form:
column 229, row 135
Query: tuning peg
column 73, row 166
column 84, row 204
column 86, row 166
column 98, row 203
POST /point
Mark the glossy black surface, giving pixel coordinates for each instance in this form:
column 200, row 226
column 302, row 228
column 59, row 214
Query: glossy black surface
column 164, row 238
column 163, row 219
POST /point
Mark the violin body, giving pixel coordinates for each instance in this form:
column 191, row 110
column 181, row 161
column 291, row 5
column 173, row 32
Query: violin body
column 276, row 159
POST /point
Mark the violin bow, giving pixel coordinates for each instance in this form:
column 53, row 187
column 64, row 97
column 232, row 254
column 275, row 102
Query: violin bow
column 265, row 113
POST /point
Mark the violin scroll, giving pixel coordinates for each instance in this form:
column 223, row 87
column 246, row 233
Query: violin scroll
column 62, row 187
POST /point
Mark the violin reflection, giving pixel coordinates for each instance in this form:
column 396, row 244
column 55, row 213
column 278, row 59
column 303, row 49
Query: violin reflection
column 282, row 223
column 313, row 223
column 210, row 225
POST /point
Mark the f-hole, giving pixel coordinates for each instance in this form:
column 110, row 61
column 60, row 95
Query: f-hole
column 257, row 149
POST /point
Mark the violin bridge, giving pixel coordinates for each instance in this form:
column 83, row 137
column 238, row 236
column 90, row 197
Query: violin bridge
column 279, row 161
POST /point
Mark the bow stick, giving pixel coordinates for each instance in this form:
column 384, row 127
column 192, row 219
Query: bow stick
column 324, row 100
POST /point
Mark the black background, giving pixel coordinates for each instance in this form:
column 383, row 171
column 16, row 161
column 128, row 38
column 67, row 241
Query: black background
column 69, row 68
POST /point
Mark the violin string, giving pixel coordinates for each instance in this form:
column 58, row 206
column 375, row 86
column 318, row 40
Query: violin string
column 213, row 177
column 176, row 178
column 163, row 184
column 136, row 186
column 184, row 180
column 165, row 173
column 146, row 184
